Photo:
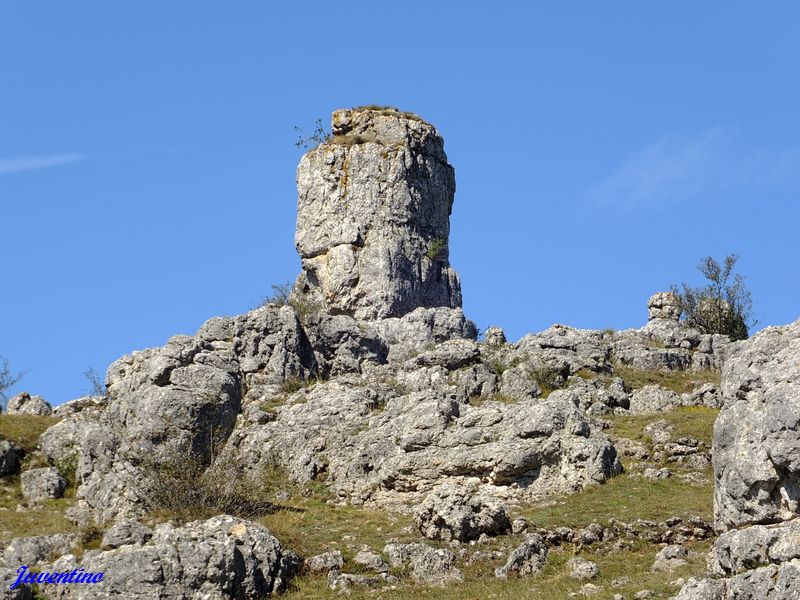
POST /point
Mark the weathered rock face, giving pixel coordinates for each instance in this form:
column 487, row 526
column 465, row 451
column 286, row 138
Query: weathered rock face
column 373, row 217
column 756, row 457
column 380, row 447
column 757, row 434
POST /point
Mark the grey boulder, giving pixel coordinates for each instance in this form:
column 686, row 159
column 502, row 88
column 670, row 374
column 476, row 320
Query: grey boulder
column 221, row 558
column 10, row 457
column 25, row 404
column 452, row 512
column 42, row 484
column 526, row 559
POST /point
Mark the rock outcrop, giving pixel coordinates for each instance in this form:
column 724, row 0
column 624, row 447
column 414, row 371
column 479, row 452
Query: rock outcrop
column 25, row 404
column 664, row 305
column 369, row 379
column 756, row 457
column 757, row 434
column 223, row 557
column 373, row 217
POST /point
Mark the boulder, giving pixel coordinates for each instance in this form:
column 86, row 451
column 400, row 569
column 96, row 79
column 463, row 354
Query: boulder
column 430, row 566
column 653, row 399
column 124, row 533
column 8, row 576
column 526, row 559
column 37, row 549
column 372, row 561
column 451, row 512
column 223, row 557
column 582, row 569
column 25, row 404
column 42, row 484
column 664, row 305
column 669, row 558
column 494, row 336
column 10, row 457
column 326, row 561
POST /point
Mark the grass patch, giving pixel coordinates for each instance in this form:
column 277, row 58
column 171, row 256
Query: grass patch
column 46, row 520
column 693, row 421
column 625, row 498
column 678, row 381
column 552, row 583
column 25, row 429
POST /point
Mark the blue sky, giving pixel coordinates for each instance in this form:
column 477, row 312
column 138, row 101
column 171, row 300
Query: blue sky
column 147, row 157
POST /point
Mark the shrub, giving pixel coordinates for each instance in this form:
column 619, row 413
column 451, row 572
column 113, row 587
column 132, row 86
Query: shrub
column 723, row 306
column 281, row 292
column 319, row 136
column 436, row 249
column 187, row 490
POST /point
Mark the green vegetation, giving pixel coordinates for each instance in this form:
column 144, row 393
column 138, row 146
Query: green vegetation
column 436, row 249
column 186, row 490
column 624, row 498
column 679, row 382
column 693, row 421
column 46, row 520
column 723, row 306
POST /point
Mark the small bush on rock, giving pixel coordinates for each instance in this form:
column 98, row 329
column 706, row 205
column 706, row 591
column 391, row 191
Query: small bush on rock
column 723, row 306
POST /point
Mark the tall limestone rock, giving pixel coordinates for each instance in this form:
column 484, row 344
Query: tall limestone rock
column 373, row 217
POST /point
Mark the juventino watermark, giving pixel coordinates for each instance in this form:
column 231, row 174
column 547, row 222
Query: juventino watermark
column 76, row 576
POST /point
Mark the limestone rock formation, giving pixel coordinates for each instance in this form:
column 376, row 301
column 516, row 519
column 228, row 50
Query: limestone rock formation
column 757, row 434
column 25, row 404
column 223, row 557
column 451, row 512
column 37, row 549
column 431, row 566
column 373, row 217
column 663, row 305
column 526, row 559
column 756, row 450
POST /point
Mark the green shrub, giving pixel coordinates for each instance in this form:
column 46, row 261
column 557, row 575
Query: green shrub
column 436, row 249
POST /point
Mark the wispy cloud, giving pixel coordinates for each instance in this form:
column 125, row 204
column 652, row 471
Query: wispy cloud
column 33, row 163
column 676, row 169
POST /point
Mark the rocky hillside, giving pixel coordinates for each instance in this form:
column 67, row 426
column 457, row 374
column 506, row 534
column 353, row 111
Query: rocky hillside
column 360, row 438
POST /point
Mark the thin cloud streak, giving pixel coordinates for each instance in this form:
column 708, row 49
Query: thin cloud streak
column 676, row 169
column 34, row 163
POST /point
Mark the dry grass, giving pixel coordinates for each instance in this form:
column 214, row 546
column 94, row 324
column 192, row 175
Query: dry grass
column 677, row 381
column 45, row 520
column 693, row 421
column 24, row 429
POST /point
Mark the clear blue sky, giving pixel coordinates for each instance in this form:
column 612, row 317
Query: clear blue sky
column 147, row 162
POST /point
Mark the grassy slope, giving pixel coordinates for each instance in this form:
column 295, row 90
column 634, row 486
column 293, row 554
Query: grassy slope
column 310, row 525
